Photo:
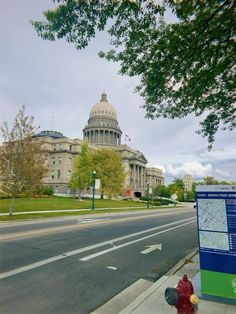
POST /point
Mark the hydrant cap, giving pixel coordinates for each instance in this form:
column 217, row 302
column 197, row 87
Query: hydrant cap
column 171, row 296
column 194, row 299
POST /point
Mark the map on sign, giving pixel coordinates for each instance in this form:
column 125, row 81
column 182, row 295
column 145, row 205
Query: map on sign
column 214, row 240
column 212, row 215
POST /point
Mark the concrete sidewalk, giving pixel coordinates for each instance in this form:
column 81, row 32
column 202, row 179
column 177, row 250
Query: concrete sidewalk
column 152, row 300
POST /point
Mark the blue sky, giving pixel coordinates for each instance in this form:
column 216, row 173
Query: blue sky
column 59, row 85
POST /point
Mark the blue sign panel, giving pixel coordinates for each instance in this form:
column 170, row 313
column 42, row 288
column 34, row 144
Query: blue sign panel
column 216, row 214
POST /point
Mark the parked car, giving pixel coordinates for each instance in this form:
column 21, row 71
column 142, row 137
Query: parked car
column 195, row 205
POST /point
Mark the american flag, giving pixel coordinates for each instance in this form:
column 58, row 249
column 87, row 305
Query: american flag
column 127, row 138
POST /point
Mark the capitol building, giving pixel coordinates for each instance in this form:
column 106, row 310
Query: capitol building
column 101, row 130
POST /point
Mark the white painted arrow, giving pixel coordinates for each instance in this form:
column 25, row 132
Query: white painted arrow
column 151, row 248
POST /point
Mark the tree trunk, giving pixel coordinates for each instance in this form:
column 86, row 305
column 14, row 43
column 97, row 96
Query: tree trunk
column 79, row 196
column 11, row 206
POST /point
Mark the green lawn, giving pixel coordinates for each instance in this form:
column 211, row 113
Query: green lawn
column 57, row 203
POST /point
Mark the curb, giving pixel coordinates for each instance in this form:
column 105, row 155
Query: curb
column 181, row 263
column 124, row 298
column 132, row 306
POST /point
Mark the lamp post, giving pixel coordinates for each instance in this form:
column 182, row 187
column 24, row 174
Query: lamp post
column 93, row 182
column 147, row 194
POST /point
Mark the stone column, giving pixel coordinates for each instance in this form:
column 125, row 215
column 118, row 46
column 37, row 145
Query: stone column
column 136, row 176
column 139, row 176
column 131, row 175
column 144, row 184
column 137, row 169
column 142, row 177
column 102, row 136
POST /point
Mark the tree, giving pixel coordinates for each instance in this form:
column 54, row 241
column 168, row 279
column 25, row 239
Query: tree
column 81, row 178
column 21, row 158
column 179, row 183
column 210, row 181
column 109, row 169
column 162, row 191
column 185, row 67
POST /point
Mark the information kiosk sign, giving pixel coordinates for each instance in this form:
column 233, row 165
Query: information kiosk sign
column 216, row 216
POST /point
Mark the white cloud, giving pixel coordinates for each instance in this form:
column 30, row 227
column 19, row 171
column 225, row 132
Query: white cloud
column 222, row 173
column 161, row 167
column 195, row 168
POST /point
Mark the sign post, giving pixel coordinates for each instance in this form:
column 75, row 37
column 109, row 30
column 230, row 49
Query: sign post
column 216, row 216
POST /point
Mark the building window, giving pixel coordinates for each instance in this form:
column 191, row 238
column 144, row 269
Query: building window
column 58, row 174
column 70, row 147
column 53, row 162
column 52, row 176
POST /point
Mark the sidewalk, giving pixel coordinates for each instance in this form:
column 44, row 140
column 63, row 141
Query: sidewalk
column 152, row 300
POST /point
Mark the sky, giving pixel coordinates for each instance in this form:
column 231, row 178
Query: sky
column 59, row 85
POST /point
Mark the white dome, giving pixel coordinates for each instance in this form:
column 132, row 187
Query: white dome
column 103, row 108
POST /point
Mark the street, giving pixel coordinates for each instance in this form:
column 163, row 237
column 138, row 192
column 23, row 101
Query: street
column 75, row 264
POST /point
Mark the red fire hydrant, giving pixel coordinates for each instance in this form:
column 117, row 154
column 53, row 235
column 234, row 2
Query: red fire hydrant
column 182, row 297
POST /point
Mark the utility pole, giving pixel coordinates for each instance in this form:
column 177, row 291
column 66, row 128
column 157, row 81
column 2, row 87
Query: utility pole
column 93, row 182
column 148, row 194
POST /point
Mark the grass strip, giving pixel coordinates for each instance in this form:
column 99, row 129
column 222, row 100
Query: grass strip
column 58, row 203
column 18, row 217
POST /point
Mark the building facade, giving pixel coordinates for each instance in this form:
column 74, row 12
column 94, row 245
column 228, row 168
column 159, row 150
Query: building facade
column 101, row 130
column 188, row 182
column 154, row 177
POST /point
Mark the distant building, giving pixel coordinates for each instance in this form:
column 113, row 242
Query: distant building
column 188, row 182
column 154, row 177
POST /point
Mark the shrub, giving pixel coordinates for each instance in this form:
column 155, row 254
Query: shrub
column 46, row 190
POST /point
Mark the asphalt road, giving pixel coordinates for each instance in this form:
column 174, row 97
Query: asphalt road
column 75, row 265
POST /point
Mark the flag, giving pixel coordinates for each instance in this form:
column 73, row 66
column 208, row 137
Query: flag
column 127, row 138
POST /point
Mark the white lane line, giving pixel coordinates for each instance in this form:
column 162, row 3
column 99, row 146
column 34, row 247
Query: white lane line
column 88, row 220
column 84, row 249
column 32, row 266
column 112, row 267
column 87, row 258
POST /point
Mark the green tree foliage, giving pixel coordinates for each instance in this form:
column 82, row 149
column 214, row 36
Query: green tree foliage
column 185, row 66
column 21, row 158
column 109, row 169
column 81, row 177
column 179, row 183
column 162, row 191
column 212, row 181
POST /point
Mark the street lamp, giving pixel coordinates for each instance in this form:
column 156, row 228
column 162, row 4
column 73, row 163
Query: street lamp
column 148, row 194
column 93, row 184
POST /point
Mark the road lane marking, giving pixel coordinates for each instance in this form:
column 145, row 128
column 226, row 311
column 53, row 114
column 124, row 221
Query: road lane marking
column 88, row 220
column 112, row 267
column 84, row 249
column 43, row 231
column 151, row 248
column 87, row 258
